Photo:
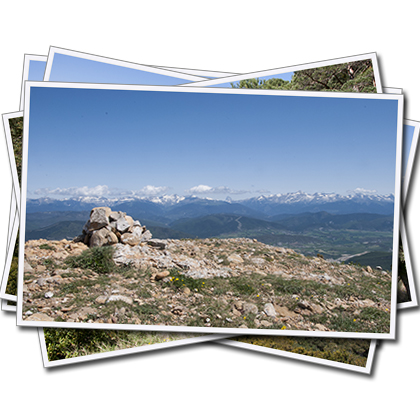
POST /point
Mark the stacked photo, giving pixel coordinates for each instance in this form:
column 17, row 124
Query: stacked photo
column 156, row 207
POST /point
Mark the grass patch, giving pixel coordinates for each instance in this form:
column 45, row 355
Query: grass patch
column 47, row 247
column 379, row 317
column 97, row 259
column 147, row 309
column 239, row 286
column 350, row 351
column 299, row 287
column 178, row 281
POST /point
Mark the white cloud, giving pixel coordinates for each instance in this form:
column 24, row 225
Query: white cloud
column 205, row 189
column 199, row 189
column 100, row 191
column 362, row 191
column 151, row 190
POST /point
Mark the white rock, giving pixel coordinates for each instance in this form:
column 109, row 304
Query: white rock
column 269, row 310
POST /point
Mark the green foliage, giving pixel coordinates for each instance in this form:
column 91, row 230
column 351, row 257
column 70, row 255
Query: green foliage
column 147, row 309
column 98, row 259
column 298, row 287
column 262, row 84
column 11, row 287
column 350, row 351
column 380, row 318
column 46, row 246
column 402, row 275
column 346, row 77
column 49, row 263
column 178, row 281
column 65, row 343
column 68, row 343
column 242, row 286
column 16, row 131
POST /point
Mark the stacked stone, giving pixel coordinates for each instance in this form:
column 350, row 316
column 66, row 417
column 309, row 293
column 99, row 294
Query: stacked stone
column 107, row 227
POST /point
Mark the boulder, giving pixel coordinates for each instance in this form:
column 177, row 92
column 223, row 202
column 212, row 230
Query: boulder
column 107, row 227
column 115, row 215
column 249, row 308
column 130, row 239
column 283, row 311
column 102, row 237
column 27, row 267
column 99, row 217
column 39, row 317
column 123, row 225
column 269, row 310
column 122, row 298
column 146, row 236
column 156, row 243
column 86, row 227
column 235, row 258
column 162, row 274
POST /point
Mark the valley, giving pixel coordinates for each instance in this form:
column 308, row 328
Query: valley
column 355, row 229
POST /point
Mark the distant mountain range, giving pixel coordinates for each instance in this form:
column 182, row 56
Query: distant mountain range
column 168, row 208
column 336, row 226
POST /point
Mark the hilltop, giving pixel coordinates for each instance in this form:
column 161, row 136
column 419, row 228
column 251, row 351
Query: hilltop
column 131, row 278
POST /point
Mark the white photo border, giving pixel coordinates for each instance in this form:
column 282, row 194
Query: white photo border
column 25, row 74
column 120, row 63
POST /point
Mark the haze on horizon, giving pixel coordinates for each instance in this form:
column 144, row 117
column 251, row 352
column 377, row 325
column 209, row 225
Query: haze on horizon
column 152, row 192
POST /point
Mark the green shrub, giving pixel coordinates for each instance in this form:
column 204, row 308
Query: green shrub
column 11, row 287
column 46, row 246
column 178, row 281
column 98, row 259
column 350, row 351
column 67, row 343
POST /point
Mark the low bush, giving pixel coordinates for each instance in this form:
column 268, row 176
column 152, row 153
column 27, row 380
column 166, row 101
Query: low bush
column 98, row 259
column 65, row 343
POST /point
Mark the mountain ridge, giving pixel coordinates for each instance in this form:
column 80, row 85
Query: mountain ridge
column 172, row 206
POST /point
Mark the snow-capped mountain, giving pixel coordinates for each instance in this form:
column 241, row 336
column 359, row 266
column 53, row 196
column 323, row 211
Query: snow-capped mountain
column 358, row 201
column 302, row 197
column 298, row 202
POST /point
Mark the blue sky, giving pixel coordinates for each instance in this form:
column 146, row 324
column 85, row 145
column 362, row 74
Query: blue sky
column 113, row 142
column 36, row 70
column 66, row 68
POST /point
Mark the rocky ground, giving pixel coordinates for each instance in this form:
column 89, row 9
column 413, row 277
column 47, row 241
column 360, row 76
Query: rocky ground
column 237, row 283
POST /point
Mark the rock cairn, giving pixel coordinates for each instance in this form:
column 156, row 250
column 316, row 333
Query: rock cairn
column 107, row 227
